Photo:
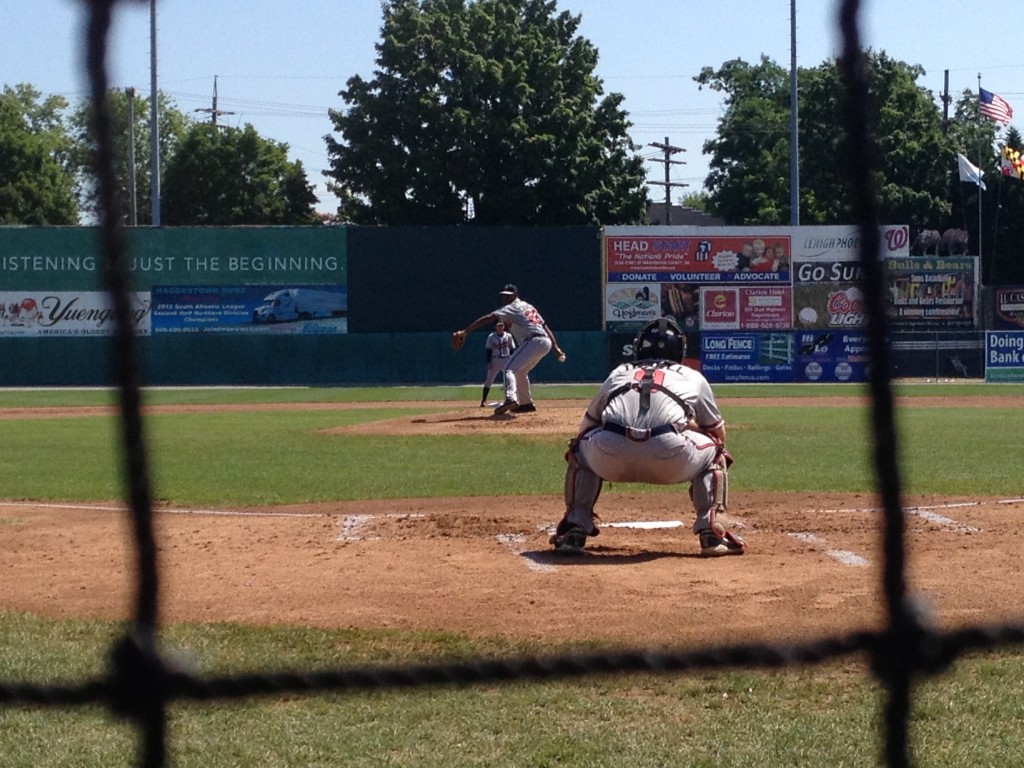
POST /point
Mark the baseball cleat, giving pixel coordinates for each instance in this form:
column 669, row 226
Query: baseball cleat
column 525, row 408
column 572, row 541
column 505, row 407
column 714, row 546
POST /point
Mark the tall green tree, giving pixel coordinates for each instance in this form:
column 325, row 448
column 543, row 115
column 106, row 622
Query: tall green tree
column 230, row 176
column 485, row 111
column 36, row 185
column 130, row 125
column 748, row 176
column 748, row 182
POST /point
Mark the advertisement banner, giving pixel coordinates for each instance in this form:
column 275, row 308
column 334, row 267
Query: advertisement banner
column 1009, row 308
column 747, row 309
column 67, row 313
column 829, row 306
column 681, row 301
column 842, row 243
column 747, row 357
column 676, row 263
column 70, row 258
column 283, row 309
column 831, row 357
column 633, row 305
column 705, row 258
column 933, row 291
column 1004, row 356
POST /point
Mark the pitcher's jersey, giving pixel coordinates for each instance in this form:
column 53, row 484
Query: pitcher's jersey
column 522, row 320
column 677, row 394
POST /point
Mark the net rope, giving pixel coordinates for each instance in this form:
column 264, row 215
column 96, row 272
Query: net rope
column 141, row 682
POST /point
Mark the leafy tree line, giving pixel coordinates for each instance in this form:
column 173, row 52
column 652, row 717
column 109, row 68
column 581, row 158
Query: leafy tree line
column 917, row 178
column 490, row 112
column 210, row 175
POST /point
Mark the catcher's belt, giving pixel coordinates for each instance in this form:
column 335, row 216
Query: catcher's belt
column 641, row 435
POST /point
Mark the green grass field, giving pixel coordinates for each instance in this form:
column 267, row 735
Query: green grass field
column 973, row 715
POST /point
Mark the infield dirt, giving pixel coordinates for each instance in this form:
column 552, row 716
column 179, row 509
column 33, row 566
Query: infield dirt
column 483, row 565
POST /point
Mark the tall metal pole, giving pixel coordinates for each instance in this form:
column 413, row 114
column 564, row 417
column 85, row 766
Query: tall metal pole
column 794, row 141
column 154, row 124
column 980, row 122
column 133, row 218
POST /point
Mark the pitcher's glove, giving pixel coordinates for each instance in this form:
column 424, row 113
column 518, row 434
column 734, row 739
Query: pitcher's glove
column 458, row 340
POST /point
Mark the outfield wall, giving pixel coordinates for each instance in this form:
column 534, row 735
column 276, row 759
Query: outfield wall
column 400, row 292
column 376, row 305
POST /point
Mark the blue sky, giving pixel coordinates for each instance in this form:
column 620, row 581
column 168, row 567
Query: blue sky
column 281, row 63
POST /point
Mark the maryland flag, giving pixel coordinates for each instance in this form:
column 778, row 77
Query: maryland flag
column 1011, row 163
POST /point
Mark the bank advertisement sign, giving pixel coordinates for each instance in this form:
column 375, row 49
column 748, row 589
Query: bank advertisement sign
column 68, row 313
column 281, row 309
column 1004, row 356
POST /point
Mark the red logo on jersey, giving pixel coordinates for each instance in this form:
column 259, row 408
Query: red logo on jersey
column 659, row 376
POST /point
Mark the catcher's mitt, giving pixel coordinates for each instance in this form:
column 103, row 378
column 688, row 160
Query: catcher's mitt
column 458, row 340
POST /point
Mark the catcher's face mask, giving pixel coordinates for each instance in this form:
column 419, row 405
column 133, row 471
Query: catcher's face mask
column 660, row 339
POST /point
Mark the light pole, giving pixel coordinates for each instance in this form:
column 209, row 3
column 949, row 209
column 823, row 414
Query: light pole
column 794, row 140
column 154, row 125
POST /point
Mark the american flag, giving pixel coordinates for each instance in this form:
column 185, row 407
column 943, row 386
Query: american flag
column 994, row 106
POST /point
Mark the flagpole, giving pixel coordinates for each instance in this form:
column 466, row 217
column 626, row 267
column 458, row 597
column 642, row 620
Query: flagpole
column 995, row 233
column 981, row 271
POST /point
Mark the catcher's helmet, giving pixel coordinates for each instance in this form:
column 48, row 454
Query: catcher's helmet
column 660, row 339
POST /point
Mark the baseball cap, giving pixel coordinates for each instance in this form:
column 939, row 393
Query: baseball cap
column 509, row 290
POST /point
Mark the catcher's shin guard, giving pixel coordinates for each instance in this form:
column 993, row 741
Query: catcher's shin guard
column 582, row 488
column 710, row 496
column 720, row 484
column 709, row 491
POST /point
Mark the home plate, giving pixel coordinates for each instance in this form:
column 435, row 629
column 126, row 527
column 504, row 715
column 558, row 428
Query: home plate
column 646, row 525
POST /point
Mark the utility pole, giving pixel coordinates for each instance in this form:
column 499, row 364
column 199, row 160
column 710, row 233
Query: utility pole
column 669, row 150
column 794, row 134
column 133, row 217
column 154, row 121
column 213, row 111
column 946, row 99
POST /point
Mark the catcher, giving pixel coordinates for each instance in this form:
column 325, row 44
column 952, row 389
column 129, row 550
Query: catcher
column 653, row 421
column 533, row 338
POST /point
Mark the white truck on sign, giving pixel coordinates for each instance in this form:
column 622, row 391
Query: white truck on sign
column 300, row 304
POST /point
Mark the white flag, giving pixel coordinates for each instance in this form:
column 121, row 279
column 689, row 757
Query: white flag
column 969, row 171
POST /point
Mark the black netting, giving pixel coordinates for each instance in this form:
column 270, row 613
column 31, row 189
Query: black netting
column 141, row 683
